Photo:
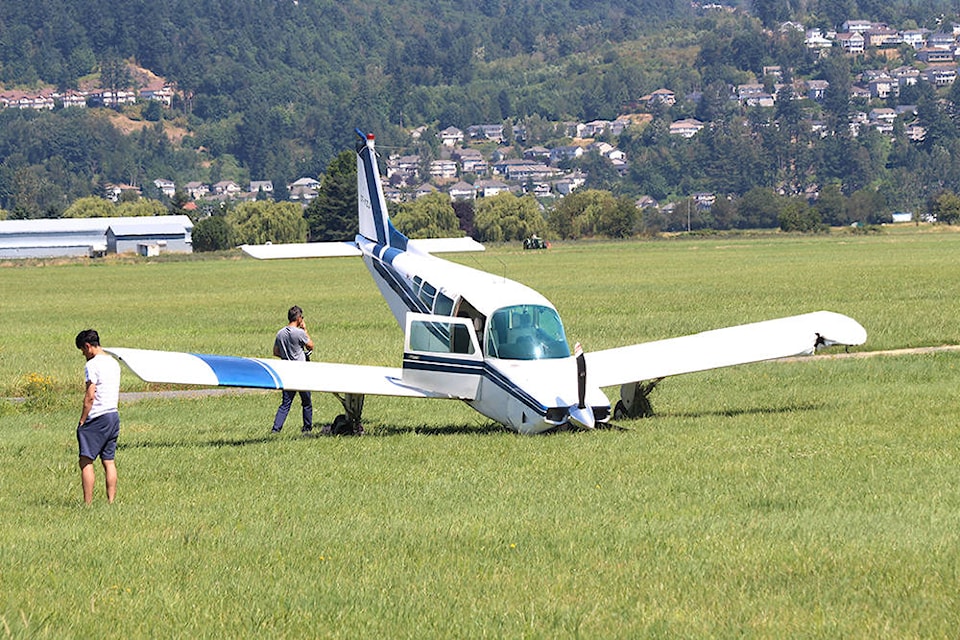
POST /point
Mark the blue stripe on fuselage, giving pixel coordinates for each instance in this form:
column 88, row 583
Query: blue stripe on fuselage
column 232, row 371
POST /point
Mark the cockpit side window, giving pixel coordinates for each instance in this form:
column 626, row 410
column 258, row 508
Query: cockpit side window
column 526, row 332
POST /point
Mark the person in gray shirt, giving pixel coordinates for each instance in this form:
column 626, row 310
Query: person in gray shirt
column 294, row 343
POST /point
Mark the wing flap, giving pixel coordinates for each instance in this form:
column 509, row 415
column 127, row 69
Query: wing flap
column 768, row 340
column 258, row 373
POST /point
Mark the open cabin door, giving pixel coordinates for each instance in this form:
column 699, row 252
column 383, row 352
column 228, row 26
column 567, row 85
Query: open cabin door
column 441, row 354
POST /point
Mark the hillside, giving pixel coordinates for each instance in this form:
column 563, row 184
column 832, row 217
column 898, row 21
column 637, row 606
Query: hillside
column 273, row 89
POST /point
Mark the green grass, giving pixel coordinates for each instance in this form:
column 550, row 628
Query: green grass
column 816, row 499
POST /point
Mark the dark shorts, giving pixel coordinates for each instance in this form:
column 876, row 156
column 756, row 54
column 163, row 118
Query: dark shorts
column 98, row 436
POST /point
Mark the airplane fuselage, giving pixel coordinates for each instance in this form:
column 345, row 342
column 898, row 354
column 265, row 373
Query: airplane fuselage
column 526, row 377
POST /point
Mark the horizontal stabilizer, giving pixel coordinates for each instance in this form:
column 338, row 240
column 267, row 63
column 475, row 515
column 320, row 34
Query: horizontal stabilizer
column 445, row 245
column 171, row 367
column 301, row 250
column 768, row 340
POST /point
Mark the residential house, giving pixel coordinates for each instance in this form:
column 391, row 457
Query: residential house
column 686, row 128
column 816, row 40
column 462, row 191
column 775, row 71
column 916, row 132
column 159, row 91
column 882, row 86
column 392, row 194
column 883, row 37
column 560, row 154
column 486, row 132
column 451, row 137
column 941, row 75
column 74, row 99
column 852, row 43
column 304, row 189
column 817, row 89
column 110, row 98
column 443, row 169
column 940, row 40
column 660, row 96
column 916, row 38
column 424, row 190
column 906, row 76
column 759, row 100
column 882, row 114
column 196, row 190
column 471, row 161
column 645, row 202
column 569, row 183
column 861, row 26
column 261, row 186
column 407, row 166
column 489, row 188
column 114, row 192
column 592, row 129
column 226, row 189
column 166, row 187
column 934, row 55
column 537, row 153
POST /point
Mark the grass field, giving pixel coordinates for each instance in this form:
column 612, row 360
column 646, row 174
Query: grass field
column 818, row 498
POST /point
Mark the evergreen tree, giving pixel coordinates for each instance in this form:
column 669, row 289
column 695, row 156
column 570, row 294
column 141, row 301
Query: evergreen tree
column 332, row 216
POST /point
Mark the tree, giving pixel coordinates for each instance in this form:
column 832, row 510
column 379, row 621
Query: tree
column 945, row 207
column 797, row 215
column 332, row 216
column 593, row 212
column 506, row 217
column 431, row 216
column 759, row 208
column 831, row 205
column 261, row 222
column 213, row 233
column 141, row 207
column 90, row 207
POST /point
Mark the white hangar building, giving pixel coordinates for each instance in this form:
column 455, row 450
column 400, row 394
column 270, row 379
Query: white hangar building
column 146, row 235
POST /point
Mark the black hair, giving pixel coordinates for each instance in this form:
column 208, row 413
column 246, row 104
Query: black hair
column 295, row 313
column 88, row 336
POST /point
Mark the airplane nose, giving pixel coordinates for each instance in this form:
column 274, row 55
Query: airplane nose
column 582, row 416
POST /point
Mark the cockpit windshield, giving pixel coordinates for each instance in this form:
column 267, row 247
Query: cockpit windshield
column 526, row 332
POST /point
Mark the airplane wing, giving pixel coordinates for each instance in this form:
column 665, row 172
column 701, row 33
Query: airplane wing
column 259, row 373
column 768, row 340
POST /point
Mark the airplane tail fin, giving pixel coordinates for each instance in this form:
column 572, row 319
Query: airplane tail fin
column 372, row 206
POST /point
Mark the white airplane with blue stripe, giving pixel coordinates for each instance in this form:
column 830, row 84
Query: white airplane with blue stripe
column 495, row 344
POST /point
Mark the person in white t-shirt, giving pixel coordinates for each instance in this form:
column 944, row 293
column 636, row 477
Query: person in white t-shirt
column 99, row 424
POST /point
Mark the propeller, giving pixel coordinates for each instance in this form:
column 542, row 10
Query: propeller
column 580, row 413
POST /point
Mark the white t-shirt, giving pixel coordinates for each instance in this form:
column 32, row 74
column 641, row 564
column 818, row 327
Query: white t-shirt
column 103, row 371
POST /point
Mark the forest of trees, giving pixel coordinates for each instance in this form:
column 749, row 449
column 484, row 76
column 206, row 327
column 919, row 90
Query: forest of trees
column 273, row 90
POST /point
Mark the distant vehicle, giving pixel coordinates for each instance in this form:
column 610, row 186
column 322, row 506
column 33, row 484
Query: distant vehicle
column 534, row 242
column 493, row 343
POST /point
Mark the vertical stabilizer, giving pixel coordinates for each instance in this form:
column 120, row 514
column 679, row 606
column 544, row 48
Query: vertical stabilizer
column 372, row 207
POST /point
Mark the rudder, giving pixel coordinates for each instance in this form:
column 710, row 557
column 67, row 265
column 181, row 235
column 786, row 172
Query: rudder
column 372, row 206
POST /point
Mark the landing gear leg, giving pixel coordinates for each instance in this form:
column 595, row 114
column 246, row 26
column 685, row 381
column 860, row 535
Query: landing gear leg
column 634, row 400
column 348, row 423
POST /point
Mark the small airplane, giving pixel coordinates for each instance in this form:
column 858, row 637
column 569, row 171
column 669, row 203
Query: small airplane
column 495, row 344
